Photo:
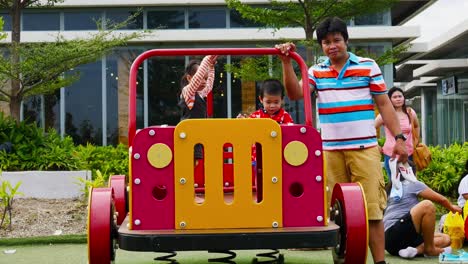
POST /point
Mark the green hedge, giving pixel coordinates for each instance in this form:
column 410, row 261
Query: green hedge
column 35, row 150
column 446, row 168
column 109, row 160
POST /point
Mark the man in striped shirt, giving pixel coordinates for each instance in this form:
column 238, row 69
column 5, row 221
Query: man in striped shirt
column 348, row 86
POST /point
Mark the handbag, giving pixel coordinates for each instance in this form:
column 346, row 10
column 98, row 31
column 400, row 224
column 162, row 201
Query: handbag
column 421, row 154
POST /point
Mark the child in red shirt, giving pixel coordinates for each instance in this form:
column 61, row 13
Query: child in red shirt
column 271, row 96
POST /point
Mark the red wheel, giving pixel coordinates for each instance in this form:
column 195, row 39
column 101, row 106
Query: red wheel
column 117, row 183
column 350, row 213
column 101, row 226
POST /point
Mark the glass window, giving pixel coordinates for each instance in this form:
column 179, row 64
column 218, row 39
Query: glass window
column 117, row 75
column 238, row 105
column 140, row 95
column 52, row 110
column 164, row 74
column 166, row 19
column 236, row 20
column 465, row 120
column 82, row 20
column 112, row 99
column 118, row 16
column 6, row 22
column 41, row 21
column 83, row 105
column 372, row 19
column 449, row 116
column 207, row 18
column 462, row 94
column 430, row 117
column 368, row 50
column 219, row 90
column 32, row 109
column 244, row 97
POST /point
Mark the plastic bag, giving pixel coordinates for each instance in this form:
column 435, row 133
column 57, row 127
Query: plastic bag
column 454, row 226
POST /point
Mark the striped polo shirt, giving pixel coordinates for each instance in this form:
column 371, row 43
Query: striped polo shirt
column 345, row 103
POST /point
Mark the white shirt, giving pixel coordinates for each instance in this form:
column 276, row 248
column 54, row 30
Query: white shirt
column 462, row 189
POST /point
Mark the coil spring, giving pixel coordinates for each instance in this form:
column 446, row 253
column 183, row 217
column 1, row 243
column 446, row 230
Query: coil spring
column 274, row 257
column 227, row 259
column 168, row 257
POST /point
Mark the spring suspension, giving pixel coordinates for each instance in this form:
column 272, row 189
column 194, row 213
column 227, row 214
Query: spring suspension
column 168, row 257
column 273, row 257
column 226, row 259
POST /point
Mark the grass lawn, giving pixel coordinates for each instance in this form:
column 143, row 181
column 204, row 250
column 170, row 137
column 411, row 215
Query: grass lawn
column 77, row 253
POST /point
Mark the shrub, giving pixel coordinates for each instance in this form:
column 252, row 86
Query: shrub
column 7, row 194
column 109, row 160
column 446, row 168
column 32, row 149
column 35, row 150
column 98, row 181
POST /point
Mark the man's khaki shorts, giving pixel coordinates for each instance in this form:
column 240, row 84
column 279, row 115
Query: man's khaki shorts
column 361, row 166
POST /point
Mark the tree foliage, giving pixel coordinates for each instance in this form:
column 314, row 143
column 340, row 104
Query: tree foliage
column 3, row 35
column 307, row 14
column 255, row 68
column 43, row 65
column 28, row 69
column 388, row 57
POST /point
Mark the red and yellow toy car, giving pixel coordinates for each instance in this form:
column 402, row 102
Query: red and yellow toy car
column 157, row 208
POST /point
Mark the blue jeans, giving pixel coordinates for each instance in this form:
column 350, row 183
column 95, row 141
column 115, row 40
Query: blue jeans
column 387, row 167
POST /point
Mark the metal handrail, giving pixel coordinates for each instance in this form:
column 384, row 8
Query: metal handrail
column 208, row 51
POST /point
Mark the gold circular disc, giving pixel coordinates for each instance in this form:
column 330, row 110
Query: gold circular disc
column 159, row 155
column 296, row 153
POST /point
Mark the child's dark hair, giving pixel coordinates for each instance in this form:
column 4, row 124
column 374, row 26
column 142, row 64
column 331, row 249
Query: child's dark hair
column 272, row 87
column 190, row 69
column 403, row 107
column 331, row 25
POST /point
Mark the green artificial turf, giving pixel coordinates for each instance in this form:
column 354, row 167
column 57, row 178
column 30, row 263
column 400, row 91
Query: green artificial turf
column 77, row 254
column 46, row 240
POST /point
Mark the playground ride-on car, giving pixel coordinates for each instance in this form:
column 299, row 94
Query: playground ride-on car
column 165, row 205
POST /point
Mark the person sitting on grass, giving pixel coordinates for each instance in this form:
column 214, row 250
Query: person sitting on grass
column 410, row 224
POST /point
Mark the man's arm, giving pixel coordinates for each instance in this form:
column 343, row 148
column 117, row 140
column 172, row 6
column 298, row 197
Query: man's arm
column 391, row 121
column 292, row 85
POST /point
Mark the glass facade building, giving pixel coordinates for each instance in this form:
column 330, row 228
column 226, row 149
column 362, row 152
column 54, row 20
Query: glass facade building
column 443, row 106
column 446, row 115
column 94, row 109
